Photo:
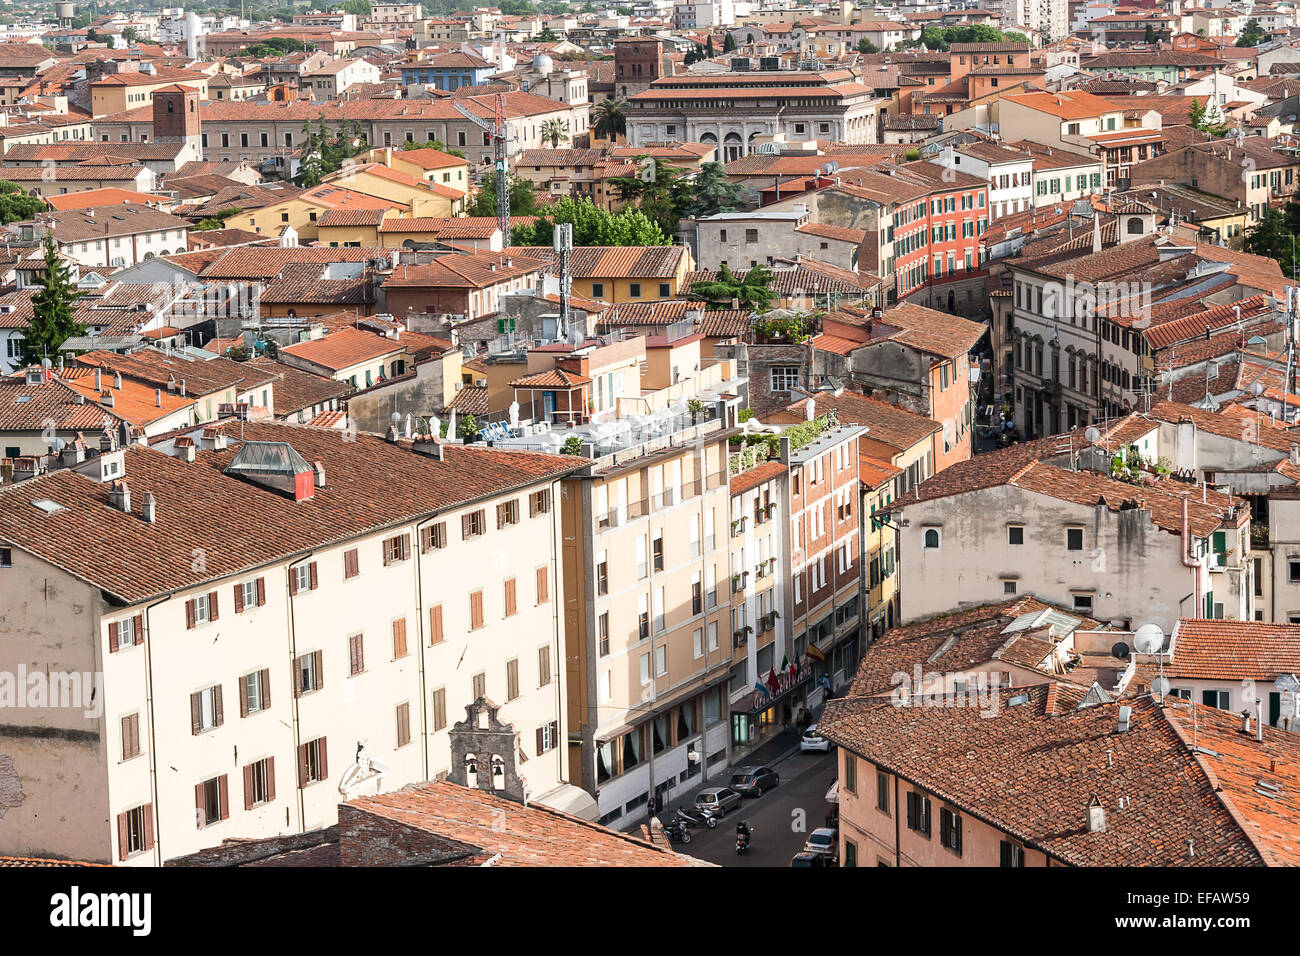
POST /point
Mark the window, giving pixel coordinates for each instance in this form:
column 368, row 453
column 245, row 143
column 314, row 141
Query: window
column 472, row 524
column 125, row 633
column 313, row 762
column 254, row 692
column 439, row 709
column 356, row 655
column 1008, row 587
column 548, row 737
column 399, row 638
column 259, row 783
column 1293, row 571
column 352, row 563
column 918, row 812
column 539, row 503
column 658, row 551
column 1074, row 539
column 308, row 674
column 645, row 668
column 508, row 513
column 397, row 548
column 661, row 660
column 478, row 685
column 1083, row 602
column 510, row 603
column 435, row 624
column 303, row 578
column 512, row 679
column 1013, row 854
column 205, row 709
column 135, row 831
column 433, row 537
column 130, row 736
column 850, row 773
column 475, row 610
column 751, row 235
column 931, row 540
column 784, row 377
column 882, row 792
column 602, row 576
column 597, row 290
column 634, row 290
column 201, row 610
column 602, row 632
column 665, row 290
column 1015, row 534
column 950, row 829
column 544, row 665
column 212, row 800
column 543, row 585
column 1215, row 698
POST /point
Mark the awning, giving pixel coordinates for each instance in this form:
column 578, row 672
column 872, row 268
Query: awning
column 833, row 794
column 571, row 800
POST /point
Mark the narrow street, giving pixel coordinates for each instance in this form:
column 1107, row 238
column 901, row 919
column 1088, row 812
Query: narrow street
column 781, row 819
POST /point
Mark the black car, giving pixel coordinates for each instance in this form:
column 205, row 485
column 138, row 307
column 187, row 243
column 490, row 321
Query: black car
column 754, row 781
column 804, row 858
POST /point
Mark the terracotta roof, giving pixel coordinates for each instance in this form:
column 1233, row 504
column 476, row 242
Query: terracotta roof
column 474, row 270
column 343, row 348
column 755, row 476
column 157, row 368
column 632, row 262
column 886, row 423
column 872, row 472
column 842, row 233
column 1064, row 105
column 551, row 378
column 1233, row 650
column 135, row 402
column 98, row 197
column 31, row 407
column 372, row 484
column 470, row 400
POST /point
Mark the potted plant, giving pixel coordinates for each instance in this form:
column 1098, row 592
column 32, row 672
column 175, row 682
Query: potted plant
column 572, row 445
column 696, row 408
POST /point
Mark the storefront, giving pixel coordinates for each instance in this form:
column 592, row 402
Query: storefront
column 768, row 711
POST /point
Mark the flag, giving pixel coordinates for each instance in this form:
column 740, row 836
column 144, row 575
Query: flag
column 785, row 662
column 760, row 686
column 772, row 682
column 815, row 653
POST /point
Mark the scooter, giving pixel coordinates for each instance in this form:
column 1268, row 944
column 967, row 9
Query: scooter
column 704, row 819
column 677, row 832
column 742, row 842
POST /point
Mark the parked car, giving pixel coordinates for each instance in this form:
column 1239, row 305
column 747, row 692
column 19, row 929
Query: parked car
column 717, row 800
column 823, row 840
column 811, row 740
column 807, row 858
column 754, row 781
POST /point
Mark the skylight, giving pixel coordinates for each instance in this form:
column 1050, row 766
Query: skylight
column 48, row 506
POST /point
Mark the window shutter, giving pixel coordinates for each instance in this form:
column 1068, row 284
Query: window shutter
column 189, row 614
column 239, row 599
column 139, row 628
column 510, row 597
column 501, row 516
column 313, row 575
column 265, row 687
column 243, row 697
column 555, row 732
column 539, row 741
column 270, row 779
column 324, row 761
column 293, row 582
column 147, row 812
column 532, row 506
column 399, row 637
column 123, row 835
column 212, row 606
column 200, row 815
column 464, row 526
column 320, row 669
column 261, row 591
column 302, row 765
column 196, row 719
column 248, row 786
column 543, row 585
column 112, row 638
column 406, row 546
column 435, row 624
column 218, row 717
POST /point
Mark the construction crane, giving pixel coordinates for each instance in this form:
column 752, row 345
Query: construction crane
column 500, row 134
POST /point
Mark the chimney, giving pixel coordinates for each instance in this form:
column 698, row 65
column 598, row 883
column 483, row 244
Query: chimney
column 99, row 380
column 1259, row 718
column 1125, row 719
column 1295, row 454
column 150, row 511
column 319, row 468
column 106, row 399
column 1096, row 816
column 1245, row 722
column 117, row 381
column 119, row 497
column 157, row 397
column 182, row 388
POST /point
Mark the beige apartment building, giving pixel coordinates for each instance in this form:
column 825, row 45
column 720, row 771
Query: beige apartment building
column 313, row 645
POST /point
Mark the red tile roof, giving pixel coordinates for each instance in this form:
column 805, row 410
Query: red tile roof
column 344, row 348
column 1234, row 650
column 756, row 476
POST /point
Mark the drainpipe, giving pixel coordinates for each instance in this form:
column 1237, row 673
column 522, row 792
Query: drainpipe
column 898, row 850
column 1189, row 562
column 153, row 749
column 295, row 726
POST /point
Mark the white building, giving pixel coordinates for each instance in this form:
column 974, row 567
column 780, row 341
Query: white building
column 1008, row 172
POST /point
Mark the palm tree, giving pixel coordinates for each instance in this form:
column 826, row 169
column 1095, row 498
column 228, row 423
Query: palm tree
column 611, row 118
column 555, row 131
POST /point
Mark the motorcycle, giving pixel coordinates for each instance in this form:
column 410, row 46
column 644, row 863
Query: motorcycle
column 704, row 819
column 742, row 842
column 677, row 832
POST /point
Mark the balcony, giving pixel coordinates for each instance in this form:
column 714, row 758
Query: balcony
column 740, row 637
column 768, row 621
column 738, row 581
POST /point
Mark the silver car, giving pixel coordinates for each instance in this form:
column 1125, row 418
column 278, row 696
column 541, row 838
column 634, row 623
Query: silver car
column 717, row 800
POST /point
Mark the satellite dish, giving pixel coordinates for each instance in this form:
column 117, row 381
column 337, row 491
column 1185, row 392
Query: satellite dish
column 1119, row 650
column 1256, row 389
column 1092, row 434
column 1160, row 686
column 1149, row 639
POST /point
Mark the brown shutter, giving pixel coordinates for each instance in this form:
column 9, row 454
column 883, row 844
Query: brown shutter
column 475, row 610
column 270, row 779
column 510, row 597
column 320, row 669
column 189, row 614
column 223, row 787
column 239, row 599
column 139, row 628
column 543, row 585
column 147, row 811
column 501, row 516
column 297, row 678
column 532, row 506
column 248, row 786
column 123, row 835
column 539, row 741
column 302, row 765
column 406, row 546
column 555, row 732
column 217, row 717
column 243, row 697
column 212, row 606
column 435, row 624
column 313, row 575
column 196, row 710
column 200, row 815
column 261, row 591
column 293, row 582
column 399, row 637
column 324, row 761
column 464, row 526
column 112, row 638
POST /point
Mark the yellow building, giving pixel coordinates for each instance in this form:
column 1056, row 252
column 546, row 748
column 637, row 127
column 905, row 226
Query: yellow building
column 878, row 490
column 119, row 92
column 422, row 198
column 619, row 274
column 304, row 210
column 429, row 165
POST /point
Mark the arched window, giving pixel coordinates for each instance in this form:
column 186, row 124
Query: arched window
column 1134, row 227
column 171, row 107
column 931, row 539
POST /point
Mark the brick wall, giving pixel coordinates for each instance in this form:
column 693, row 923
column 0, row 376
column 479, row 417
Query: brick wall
column 369, row 840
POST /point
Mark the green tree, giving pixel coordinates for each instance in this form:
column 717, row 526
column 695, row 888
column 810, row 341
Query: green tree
column 1150, row 35
column 555, row 131
column 547, row 36
column 711, row 193
column 708, row 48
column 130, row 34
column 611, row 118
column 52, row 323
column 15, row 206
column 1274, row 236
column 866, row 46
column 437, row 144
column 592, row 226
column 1252, row 34
column 728, row 43
column 360, row 8
column 523, row 201
column 753, row 292
column 92, row 36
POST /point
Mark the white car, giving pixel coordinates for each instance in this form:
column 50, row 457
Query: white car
column 811, row 740
column 823, row 840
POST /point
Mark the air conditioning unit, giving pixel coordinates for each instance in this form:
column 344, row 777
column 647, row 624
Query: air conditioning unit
column 481, row 382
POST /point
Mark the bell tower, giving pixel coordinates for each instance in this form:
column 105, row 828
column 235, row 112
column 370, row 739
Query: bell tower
column 176, row 116
column 483, row 752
